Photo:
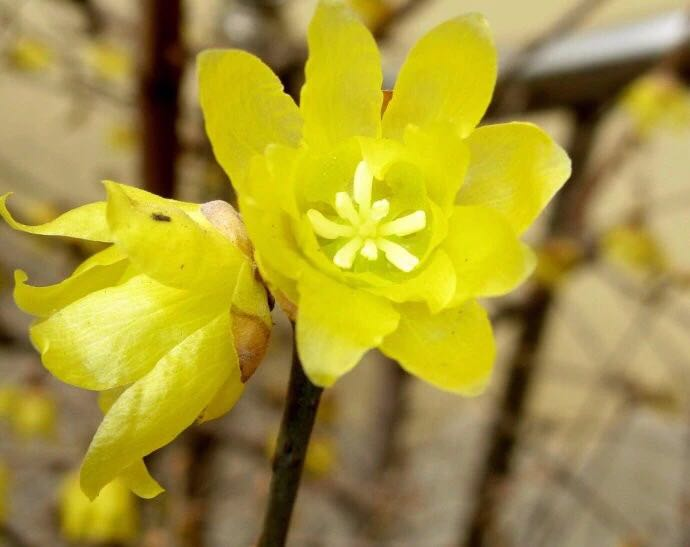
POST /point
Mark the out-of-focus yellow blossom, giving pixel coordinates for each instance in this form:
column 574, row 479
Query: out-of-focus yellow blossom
column 8, row 397
column 34, row 413
column 657, row 101
column 30, row 55
column 111, row 517
column 168, row 322
column 634, row 247
column 383, row 231
column 123, row 137
column 555, row 259
column 108, row 61
column 372, row 12
column 4, row 492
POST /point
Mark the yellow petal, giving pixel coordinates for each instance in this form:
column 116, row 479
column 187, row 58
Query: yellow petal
column 336, row 325
column 85, row 222
column 165, row 243
column 448, row 76
column 139, row 480
column 245, row 109
column 114, row 336
column 44, row 301
column 453, row 350
column 226, row 397
column 434, row 284
column 157, row 408
column 488, row 258
column 515, row 168
column 136, row 476
column 342, row 95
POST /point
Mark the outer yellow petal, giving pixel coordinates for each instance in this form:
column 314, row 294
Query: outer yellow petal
column 169, row 246
column 336, row 325
column 245, row 109
column 136, row 476
column 114, row 336
column 154, row 410
column 226, row 397
column 488, row 258
column 139, row 480
column 342, row 95
column 453, row 350
column 44, row 301
column 449, row 76
column 515, row 168
column 85, row 222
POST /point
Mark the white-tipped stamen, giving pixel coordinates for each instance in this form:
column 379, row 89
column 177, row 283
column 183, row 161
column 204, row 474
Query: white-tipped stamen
column 345, row 256
column 362, row 229
column 404, row 226
column 326, row 228
column 397, row 255
column 364, row 180
column 345, row 208
column 380, row 209
column 369, row 250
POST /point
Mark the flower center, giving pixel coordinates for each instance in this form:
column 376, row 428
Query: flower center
column 364, row 227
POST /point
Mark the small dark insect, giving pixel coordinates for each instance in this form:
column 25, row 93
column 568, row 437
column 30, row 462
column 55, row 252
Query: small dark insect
column 160, row 217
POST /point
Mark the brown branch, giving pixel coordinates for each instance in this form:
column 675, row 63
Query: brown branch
column 159, row 94
column 301, row 404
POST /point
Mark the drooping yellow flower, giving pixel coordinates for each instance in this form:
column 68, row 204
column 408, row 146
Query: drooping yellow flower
column 168, row 322
column 111, row 517
column 383, row 231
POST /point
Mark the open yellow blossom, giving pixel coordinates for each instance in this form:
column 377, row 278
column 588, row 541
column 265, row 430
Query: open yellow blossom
column 383, row 231
column 112, row 517
column 167, row 322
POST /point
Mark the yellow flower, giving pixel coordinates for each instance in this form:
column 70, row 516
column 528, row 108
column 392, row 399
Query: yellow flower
column 634, row 247
column 168, row 322
column 31, row 411
column 657, row 101
column 383, row 231
column 111, row 517
column 30, row 55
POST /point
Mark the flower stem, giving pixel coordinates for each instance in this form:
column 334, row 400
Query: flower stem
column 301, row 404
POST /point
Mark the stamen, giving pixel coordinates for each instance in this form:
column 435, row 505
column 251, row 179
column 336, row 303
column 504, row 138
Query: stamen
column 345, row 208
column 380, row 209
column 363, row 182
column 326, row 228
column 400, row 257
column 370, row 251
column 404, row 226
column 345, row 256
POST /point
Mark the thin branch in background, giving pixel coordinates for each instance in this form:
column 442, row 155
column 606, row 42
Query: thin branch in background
column 539, row 517
column 301, row 404
column 159, row 94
